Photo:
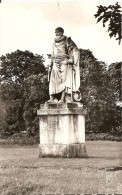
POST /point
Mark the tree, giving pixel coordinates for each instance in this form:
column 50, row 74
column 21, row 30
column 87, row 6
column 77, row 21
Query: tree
column 112, row 13
column 114, row 72
column 15, row 70
column 2, row 114
column 18, row 65
column 97, row 92
column 35, row 92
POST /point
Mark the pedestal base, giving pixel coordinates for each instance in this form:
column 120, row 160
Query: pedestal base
column 62, row 130
column 63, row 150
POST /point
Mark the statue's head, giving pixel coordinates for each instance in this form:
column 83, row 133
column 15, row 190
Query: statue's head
column 59, row 31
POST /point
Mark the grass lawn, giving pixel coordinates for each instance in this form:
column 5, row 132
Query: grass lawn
column 23, row 172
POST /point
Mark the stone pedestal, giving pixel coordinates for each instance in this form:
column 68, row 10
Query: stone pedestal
column 62, row 130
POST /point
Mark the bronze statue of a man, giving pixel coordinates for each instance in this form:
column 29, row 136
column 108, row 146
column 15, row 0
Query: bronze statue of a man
column 64, row 74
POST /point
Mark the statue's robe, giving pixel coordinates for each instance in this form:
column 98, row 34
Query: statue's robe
column 64, row 76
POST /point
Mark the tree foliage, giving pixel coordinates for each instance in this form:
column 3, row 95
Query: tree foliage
column 23, row 95
column 98, row 97
column 111, row 14
column 114, row 72
column 18, row 65
column 21, row 74
column 35, row 92
column 2, row 116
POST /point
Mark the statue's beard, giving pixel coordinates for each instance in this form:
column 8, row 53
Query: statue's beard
column 58, row 36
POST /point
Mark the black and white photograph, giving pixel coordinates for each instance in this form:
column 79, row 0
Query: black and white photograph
column 60, row 97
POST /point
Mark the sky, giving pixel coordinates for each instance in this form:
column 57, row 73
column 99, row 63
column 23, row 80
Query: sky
column 30, row 25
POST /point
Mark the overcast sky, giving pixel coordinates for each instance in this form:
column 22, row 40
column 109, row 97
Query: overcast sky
column 30, row 25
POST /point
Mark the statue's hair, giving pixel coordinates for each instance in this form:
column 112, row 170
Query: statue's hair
column 60, row 29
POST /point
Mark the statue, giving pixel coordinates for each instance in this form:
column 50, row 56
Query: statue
column 64, row 73
column 62, row 118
